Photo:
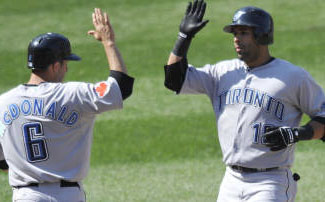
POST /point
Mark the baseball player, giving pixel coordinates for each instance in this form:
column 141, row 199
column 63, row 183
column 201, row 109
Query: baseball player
column 252, row 94
column 47, row 125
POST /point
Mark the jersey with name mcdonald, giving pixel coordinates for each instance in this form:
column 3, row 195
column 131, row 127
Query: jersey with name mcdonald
column 248, row 101
column 47, row 128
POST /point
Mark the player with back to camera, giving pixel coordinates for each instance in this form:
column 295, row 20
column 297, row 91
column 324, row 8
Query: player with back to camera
column 258, row 102
column 46, row 125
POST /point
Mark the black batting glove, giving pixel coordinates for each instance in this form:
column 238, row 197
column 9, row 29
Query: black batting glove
column 192, row 21
column 190, row 25
column 280, row 138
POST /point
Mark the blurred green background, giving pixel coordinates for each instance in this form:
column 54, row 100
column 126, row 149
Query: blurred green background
column 160, row 147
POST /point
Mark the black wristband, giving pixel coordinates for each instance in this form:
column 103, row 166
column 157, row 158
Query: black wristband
column 182, row 44
column 305, row 132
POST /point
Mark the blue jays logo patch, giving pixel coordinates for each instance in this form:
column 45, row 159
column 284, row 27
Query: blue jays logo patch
column 101, row 89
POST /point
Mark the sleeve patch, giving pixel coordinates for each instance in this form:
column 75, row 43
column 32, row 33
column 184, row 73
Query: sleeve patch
column 101, row 89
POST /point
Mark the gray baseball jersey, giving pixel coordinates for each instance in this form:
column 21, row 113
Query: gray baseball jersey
column 247, row 101
column 48, row 128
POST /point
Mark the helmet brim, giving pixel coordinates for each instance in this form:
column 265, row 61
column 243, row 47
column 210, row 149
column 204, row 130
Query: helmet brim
column 73, row 57
column 229, row 28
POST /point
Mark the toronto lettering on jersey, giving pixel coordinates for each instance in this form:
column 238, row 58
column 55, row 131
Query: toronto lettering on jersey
column 35, row 107
column 252, row 97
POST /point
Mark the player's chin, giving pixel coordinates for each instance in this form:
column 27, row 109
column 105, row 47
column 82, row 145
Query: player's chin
column 240, row 56
column 244, row 57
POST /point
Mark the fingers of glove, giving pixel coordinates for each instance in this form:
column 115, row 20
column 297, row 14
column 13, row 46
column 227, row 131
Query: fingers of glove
column 194, row 7
column 272, row 138
column 202, row 24
column 189, row 7
column 202, row 11
column 198, row 8
column 271, row 128
column 269, row 141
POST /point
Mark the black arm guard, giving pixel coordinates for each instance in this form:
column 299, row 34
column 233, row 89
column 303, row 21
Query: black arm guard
column 124, row 81
column 175, row 75
column 3, row 165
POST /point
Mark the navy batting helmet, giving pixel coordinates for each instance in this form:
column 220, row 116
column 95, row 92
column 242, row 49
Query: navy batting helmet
column 47, row 49
column 256, row 18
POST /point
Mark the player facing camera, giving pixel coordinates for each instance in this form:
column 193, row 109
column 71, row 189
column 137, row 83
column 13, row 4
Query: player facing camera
column 258, row 101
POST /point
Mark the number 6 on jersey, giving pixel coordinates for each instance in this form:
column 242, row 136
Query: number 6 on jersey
column 35, row 143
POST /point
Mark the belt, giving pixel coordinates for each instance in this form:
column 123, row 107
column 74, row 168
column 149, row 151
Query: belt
column 252, row 170
column 63, row 183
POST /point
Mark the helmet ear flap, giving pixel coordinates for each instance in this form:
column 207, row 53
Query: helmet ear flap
column 266, row 37
column 263, row 38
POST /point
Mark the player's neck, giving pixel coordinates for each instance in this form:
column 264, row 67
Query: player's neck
column 263, row 59
column 257, row 64
column 36, row 79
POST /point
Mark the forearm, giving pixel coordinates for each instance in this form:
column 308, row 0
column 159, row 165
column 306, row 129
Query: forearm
column 114, row 57
column 173, row 59
column 318, row 128
column 180, row 50
column 312, row 130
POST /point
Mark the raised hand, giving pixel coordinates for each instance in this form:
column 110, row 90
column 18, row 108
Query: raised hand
column 190, row 25
column 103, row 29
column 192, row 21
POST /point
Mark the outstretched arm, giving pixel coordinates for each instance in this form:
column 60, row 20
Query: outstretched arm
column 104, row 32
column 190, row 25
column 176, row 67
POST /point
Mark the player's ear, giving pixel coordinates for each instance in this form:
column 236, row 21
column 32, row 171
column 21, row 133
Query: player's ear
column 55, row 67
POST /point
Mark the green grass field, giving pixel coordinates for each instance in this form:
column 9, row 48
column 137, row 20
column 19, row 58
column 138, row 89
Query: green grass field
column 161, row 147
